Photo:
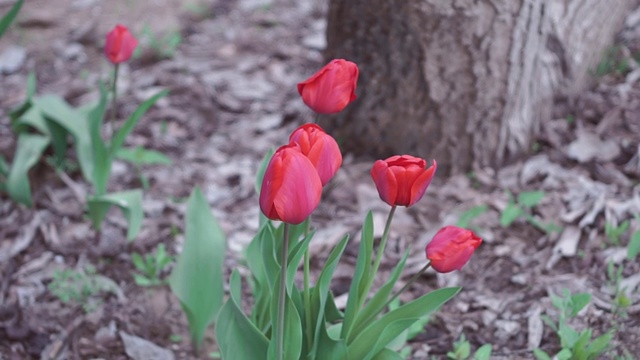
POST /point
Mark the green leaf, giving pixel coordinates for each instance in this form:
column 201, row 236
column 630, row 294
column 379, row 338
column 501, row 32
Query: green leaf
column 484, row 352
column 292, row 328
column 568, row 336
column 578, row 302
column 129, row 202
column 530, row 198
column 198, row 277
column 541, row 354
column 387, row 354
column 467, row 217
column 4, row 167
column 28, row 152
column 142, row 156
column 62, row 119
column 564, row 354
column 360, row 276
column 8, row 18
column 118, row 139
column 237, row 336
column 141, row 280
column 376, row 336
column 263, row 167
column 138, row 262
column 97, row 170
column 510, row 214
column 321, row 293
column 378, row 301
column 634, row 246
column 599, row 345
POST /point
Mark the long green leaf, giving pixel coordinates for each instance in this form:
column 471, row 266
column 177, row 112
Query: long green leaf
column 28, row 152
column 67, row 120
column 97, row 170
column 376, row 336
column 292, row 328
column 237, row 337
column 377, row 302
column 197, row 277
column 360, row 277
column 129, row 202
column 9, row 17
column 118, row 139
column 142, row 156
column 322, row 293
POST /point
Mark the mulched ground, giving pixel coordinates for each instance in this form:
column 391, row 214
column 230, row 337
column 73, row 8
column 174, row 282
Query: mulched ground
column 232, row 82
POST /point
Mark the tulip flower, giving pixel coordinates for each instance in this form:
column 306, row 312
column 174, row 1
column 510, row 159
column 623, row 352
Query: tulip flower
column 332, row 88
column 451, row 248
column 320, row 148
column 291, row 187
column 120, row 44
column 402, row 179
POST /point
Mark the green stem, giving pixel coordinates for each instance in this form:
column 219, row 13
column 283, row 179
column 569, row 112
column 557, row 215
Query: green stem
column 405, row 287
column 376, row 264
column 283, row 292
column 114, row 91
column 307, row 293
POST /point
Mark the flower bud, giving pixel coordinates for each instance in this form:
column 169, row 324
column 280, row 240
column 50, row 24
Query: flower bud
column 451, row 248
column 120, row 44
column 291, row 188
column 332, row 88
column 321, row 149
column 402, row 179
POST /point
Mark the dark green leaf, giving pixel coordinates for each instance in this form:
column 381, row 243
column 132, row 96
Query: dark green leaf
column 8, row 18
column 198, row 277
column 236, row 335
column 360, row 276
column 28, row 152
column 118, row 139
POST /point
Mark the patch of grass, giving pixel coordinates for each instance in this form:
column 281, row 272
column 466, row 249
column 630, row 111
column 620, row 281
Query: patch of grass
column 81, row 287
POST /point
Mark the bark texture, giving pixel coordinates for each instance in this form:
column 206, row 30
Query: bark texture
column 464, row 81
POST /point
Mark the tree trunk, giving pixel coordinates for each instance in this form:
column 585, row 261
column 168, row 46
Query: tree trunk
column 465, row 82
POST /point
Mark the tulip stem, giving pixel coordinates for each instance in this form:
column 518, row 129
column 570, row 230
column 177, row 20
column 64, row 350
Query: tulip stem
column 411, row 281
column 376, row 264
column 283, row 292
column 114, row 92
column 307, row 294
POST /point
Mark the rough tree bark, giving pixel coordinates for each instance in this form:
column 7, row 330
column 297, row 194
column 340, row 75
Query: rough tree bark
column 464, row 81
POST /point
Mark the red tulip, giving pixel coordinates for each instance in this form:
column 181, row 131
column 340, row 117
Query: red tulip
column 332, row 88
column 451, row 248
column 291, row 187
column 402, row 180
column 320, row 148
column 120, row 44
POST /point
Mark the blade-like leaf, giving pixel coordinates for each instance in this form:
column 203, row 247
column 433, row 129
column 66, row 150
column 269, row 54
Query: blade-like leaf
column 510, row 214
column 360, row 277
column 97, row 170
column 142, row 156
column 376, row 336
column 530, row 198
column 387, row 354
column 197, row 277
column 130, row 202
column 292, row 328
column 634, row 246
column 9, row 17
column 118, row 139
column 28, row 152
column 484, row 352
column 237, row 337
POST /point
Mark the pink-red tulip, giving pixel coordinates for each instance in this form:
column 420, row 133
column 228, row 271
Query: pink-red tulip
column 120, row 44
column 451, row 248
column 320, row 148
column 332, row 88
column 402, row 179
column 291, row 187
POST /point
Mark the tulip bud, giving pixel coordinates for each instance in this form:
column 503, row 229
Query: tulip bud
column 291, row 187
column 120, row 44
column 451, row 248
column 402, row 180
column 332, row 88
column 321, row 149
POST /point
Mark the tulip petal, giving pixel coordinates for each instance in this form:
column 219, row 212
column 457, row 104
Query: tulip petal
column 300, row 190
column 421, row 184
column 385, row 181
